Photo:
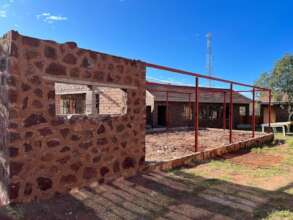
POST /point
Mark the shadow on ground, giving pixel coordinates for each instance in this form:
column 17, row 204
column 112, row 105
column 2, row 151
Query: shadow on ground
column 158, row 195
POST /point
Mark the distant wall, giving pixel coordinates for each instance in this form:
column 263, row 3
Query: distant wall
column 181, row 115
column 52, row 154
column 112, row 101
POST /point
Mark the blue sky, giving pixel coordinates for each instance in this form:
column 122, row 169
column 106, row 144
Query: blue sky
column 248, row 36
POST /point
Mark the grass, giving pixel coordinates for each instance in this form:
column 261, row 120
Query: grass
column 229, row 168
column 281, row 215
column 272, row 183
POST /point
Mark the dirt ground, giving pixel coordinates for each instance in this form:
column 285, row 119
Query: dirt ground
column 254, row 160
column 233, row 187
column 164, row 146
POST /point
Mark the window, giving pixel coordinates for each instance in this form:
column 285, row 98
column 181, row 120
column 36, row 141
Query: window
column 242, row 111
column 209, row 112
column 214, row 115
column 98, row 103
column 72, row 104
column 90, row 100
column 257, row 108
column 187, row 114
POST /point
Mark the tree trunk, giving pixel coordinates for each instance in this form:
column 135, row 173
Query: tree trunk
column 290, row 111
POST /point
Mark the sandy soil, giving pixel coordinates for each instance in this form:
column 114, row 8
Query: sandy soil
column 164, row 146
column 254, row 160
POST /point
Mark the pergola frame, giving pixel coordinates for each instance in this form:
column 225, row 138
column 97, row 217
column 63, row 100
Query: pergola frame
column 197, row 76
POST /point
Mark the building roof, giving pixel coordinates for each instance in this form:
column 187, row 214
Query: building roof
column 282, row 99
column 178, row 93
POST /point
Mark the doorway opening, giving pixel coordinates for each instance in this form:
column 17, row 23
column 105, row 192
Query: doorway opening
column 162, row 122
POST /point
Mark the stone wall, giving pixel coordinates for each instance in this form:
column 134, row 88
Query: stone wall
column 4, row 163
column 51, row 154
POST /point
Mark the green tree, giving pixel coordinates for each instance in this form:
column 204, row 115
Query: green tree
column 280, row 80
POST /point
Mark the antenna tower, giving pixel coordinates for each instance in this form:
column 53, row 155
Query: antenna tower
column 209, row 57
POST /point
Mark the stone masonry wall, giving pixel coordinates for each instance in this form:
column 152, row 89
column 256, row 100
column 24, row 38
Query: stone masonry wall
column 50, row 154
column 4, row 165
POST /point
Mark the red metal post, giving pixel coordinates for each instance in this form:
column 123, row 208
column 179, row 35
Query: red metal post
column 253, row 113
column 190, row 110
column 231, row 113
column 224, row 112
column 167, row 110
column 270, row 100
column 196, row 108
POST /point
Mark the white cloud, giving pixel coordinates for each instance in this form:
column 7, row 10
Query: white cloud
column 56, row 18
column 4, row 9
column 45, row 14
column 3, row 14
column 49, row 18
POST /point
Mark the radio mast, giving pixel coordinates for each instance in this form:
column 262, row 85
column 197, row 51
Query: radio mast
column 209, row 64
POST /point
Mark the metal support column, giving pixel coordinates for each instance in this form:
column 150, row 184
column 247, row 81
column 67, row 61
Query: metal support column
column 253, row 113
column 167, row 110
column 196, row 109
column 224, row 112
column 270, row 110
column 231, row 113
column 190, row 110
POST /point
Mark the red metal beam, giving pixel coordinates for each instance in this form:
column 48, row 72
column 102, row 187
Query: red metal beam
column 270, row 111
column 203, row 89
column 231, row 114
column 190, row 109
column 170, row 69
column 256, row 90
column 253, row 113
column 158, row 90
column 224, row 112
column 196, row 109
column 167, row 110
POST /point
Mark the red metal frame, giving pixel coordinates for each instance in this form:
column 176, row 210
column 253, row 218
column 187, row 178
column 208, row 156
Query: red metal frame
column 270, row 100
column 197, row 90
column 190, row 108
column 253, row 112
column 196, row 113
column 207, row 89
column 231, row 114
column 170, row 69
column 224, row 112
column 167, row 110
